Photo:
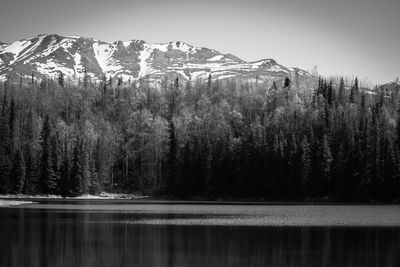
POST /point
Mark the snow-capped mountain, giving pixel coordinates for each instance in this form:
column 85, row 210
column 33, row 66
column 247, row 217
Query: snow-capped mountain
column 390, row 87
column 48, row 55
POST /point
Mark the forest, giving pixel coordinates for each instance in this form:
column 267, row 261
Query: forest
column 230, row 139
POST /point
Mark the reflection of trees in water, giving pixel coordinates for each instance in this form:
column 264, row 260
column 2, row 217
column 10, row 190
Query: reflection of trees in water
column 40, row 238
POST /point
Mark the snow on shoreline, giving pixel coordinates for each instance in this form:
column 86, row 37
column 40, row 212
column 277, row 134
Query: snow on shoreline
column 22, row 196
column 9, row 203
column 105, row 195
column 102, row 195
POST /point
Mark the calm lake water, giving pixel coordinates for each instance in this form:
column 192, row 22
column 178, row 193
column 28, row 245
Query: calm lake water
column 125, row 234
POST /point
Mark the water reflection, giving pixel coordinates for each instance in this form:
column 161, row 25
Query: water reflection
column 60, row 238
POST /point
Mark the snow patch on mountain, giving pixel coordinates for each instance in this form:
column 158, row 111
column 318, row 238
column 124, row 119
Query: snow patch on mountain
column 183, row 47
column 277, row 69
column 216, row 58
column 161, row 47
column 105, row 57
column 103, row 54
column 143, row 57
column 78, row 64
column 199, row 75
column 16, row 48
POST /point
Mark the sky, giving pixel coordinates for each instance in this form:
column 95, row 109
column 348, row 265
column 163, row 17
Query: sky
column 341, row 37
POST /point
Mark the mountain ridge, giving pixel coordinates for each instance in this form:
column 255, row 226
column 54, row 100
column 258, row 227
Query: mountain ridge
column 46, row 55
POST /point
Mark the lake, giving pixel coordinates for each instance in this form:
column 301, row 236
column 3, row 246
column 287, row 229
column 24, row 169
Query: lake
column 128, row 233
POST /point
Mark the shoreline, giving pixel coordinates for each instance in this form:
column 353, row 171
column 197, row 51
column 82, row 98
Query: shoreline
column 163, row 201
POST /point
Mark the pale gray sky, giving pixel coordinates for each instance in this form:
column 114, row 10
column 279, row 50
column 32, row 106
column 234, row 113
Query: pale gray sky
column 348, row 37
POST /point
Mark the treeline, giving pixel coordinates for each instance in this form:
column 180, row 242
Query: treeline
column 231, row 139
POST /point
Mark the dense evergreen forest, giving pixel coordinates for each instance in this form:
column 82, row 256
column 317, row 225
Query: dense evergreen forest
column 214, row 139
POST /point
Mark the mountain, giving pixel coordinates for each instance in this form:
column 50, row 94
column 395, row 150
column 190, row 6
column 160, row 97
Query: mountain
column 47, row 55
column 390, row 87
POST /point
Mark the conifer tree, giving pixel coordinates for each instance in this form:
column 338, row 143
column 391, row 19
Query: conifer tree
column 43, row 84
column 12, row 126
column 110, row 82
column 398, row 130
column 287, row 83
column 5, row 102
column 354, row 92
column 172, row 142
column 119, row 81
column 326, row 162
column 31, row 169
column 94, row 185
column 85, row 79
column 274, row 87
column 86, row 175
column 47, row 179
column 61, row 79
column 342, row 93
column 30, row 173
column 338, row 174
column 56, row 161
column 18, row 173
column 305, row 162
column 330, row 95
column 65, row 171
column 32, row 79
column 5, row 151
column 76, row 176
column 104, row 84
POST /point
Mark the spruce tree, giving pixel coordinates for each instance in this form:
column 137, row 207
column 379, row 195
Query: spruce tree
column 12, row 125
column 398, row 130
column 47, row 178
column 330, row 94
column 172, row 95
column 119, row 82
column 94, row 185
column 110, row 82
column 354, row 92
column 172, row 157
column 338, row 184
column 306, row 163
column 65, row 171
column 326, row 162
column 104, row 84
column 274, row 87
column 287, row 82
column 5, row 152
column 43, row 84
column 342, row 94
column 18, row 173
column 56, row 161
column 85, row 79
column 31, row 169
column 86, row 177
column 30, row 173
column 61, row 79
column 209, row 83
column 76, row 176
